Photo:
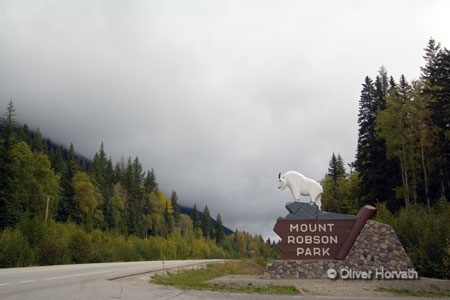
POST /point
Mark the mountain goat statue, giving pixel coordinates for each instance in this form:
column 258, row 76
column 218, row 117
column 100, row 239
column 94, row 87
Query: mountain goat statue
column 301, row 186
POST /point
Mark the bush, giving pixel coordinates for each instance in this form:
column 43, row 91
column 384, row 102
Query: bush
column 53, row 247
column 33, row 229
column 100, row 247
column 425, row 234
column 80, row 247
column 14, row 250
column 122, row 249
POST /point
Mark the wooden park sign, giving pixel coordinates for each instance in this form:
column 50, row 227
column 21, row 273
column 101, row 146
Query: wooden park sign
column 308, row 233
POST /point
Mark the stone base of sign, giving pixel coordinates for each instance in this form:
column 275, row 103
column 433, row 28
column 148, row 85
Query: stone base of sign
column 377, row 247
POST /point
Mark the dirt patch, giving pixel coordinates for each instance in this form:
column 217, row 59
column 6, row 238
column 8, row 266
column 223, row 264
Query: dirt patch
column 327, row 287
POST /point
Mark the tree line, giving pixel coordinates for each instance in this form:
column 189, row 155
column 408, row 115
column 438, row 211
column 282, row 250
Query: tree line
column 402, row 161
column 59, row 207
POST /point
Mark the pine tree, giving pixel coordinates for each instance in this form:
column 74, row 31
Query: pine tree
column 206, row 224
column 103, row 177
column 150, row 181
column 176, row 207
column 7, row 141
column 436, row 75
column 336, row 168
column 68, row 208
column 372, row 164
column 37, row 143
column 219, row 232
column 335, row 186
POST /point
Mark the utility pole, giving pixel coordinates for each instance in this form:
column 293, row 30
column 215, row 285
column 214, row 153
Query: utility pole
column 46, row 209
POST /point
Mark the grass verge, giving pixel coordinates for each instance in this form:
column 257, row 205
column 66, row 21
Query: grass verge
column 404, row 292
column 197, row 278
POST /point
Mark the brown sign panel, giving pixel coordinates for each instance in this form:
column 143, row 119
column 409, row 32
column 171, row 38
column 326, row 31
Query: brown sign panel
column 320, row 239
column 312, row 239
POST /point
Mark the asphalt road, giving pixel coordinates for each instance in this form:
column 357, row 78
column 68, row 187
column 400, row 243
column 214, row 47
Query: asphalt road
column 115, row 281
column 84, row 281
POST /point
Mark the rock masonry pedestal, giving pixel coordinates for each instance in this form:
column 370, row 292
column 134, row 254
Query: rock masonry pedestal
column 376, row 248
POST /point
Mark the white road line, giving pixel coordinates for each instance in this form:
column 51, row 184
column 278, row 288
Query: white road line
column 5, row 283
column 26, row 281
column 76, row 275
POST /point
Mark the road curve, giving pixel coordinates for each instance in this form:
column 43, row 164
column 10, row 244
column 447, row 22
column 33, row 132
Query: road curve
column 127, row 281
column 83, row 281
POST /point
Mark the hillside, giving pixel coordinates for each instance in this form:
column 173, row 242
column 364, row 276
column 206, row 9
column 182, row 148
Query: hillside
column 59, row 207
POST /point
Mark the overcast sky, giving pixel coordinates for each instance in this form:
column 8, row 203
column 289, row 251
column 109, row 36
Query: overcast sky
column 216, row 96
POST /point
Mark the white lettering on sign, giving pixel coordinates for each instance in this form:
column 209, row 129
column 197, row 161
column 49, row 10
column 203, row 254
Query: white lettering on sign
column 314, row 251
column 311, row 227
column 312, row 239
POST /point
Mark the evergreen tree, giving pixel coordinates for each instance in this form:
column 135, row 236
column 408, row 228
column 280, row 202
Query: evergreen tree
column 206, row 224
column 195, row 218
column 101, row 171
column 24, row 134
column 176, row 207
column 219, row 232
column 68, row 208
column 336, row 168
column 429, row 71
column 132, row 180
column 150, row 181
column 376, row 170
column 37, row 143
column 57, row 160
column 7, row 141
column 436, row 75
column 340, row 191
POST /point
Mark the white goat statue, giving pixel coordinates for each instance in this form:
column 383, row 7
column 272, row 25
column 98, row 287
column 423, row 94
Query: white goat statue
column 301, row 186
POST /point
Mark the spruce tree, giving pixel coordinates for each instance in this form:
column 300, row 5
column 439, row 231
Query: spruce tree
column 68, row 208
column 103, row 177
column 376, row 170
column 6, row 142
column 436, row 75
column 195, row 218
column 206, row 224
column 336, row 168
column 176, row 207
column 219, row 232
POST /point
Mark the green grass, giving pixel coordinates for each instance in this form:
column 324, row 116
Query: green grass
column 404, row 292
column 197, row 278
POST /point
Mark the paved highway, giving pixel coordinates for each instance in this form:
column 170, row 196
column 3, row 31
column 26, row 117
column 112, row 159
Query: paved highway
column 128, row 281
column 84, row 281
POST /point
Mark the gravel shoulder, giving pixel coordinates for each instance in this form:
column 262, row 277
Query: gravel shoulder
column 340, row 287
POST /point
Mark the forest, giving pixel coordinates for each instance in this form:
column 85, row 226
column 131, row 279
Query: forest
column 58, row 207
column 402, row 161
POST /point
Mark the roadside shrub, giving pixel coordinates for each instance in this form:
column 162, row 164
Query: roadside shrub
column 100, row 247
column 156, row 247
column 80, row 247
column 123, row 250
column 53, row 247
column 14, row 249
column 33, row 229
column 425, row 234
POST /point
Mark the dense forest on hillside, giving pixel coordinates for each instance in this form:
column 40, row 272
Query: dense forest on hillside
column 58, row 207
column 402, row 162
